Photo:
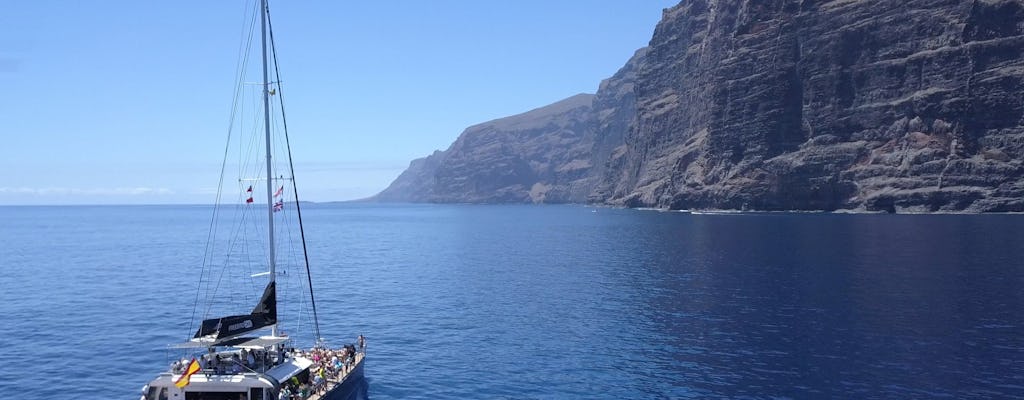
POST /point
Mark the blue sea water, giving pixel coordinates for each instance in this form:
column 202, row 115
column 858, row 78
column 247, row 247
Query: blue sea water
column 548, row 301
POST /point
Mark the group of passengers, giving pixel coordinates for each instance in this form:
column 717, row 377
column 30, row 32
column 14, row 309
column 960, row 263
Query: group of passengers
column 233, row 363
column 293, row 391
column 226, row 363
column 329, row 364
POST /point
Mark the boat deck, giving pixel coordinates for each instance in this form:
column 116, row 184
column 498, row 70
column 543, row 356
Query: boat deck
column 336, row 380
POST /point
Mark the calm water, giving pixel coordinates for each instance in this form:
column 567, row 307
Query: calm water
column 549, row 302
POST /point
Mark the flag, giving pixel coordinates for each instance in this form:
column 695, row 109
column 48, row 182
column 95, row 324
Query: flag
column 279, row 191
column 249, row 200
column 278, row 206
column 193, row 367
column 249, row 190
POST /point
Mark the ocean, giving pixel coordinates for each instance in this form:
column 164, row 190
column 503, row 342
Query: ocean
column 488, row 301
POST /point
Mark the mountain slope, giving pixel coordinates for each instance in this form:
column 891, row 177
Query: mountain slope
column 538, row 156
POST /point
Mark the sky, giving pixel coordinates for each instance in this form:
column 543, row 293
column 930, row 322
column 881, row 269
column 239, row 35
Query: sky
column 128, row 102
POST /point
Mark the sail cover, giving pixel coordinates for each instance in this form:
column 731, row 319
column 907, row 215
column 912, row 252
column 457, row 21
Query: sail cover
column 265, row 314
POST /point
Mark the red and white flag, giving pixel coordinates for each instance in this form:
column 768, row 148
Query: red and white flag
column 279, row 191
column 278, row 206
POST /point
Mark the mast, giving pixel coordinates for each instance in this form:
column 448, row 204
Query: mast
column 270, row 172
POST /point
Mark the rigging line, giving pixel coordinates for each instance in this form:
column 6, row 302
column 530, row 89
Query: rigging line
column 291, row 171
column 211, row 234
column 211, row 290
column 238, row 106
column 237, row 238
column 247, row 252
column 239, row 246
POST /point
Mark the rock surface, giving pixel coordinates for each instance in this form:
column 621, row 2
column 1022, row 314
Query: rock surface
column 875, row 105
column 539, row 156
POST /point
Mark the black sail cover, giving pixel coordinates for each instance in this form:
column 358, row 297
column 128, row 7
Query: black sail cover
column 265, row 314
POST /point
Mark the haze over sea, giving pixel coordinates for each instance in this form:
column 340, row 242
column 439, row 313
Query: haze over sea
column 461, row 301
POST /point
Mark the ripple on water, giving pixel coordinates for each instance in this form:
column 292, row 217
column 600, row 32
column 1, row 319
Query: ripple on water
column 550, row 302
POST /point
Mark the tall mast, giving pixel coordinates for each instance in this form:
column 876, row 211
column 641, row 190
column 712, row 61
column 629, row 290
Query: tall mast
column 270, row 172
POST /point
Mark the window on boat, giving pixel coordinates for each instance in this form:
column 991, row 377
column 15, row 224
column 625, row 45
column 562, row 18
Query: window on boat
column 216, row 396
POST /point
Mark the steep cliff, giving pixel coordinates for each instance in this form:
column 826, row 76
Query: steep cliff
column 786, row 105
column 879, row 105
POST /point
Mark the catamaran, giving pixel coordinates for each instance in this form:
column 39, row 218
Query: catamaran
column 227, row 357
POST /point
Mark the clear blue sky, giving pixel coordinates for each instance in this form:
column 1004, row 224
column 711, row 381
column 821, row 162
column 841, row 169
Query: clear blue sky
column 127, row 102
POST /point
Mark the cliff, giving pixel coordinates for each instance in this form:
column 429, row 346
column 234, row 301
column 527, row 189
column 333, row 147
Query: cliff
column 539, row 156
column 777, row 105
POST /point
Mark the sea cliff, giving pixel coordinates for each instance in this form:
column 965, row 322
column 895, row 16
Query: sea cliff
column 910, row 106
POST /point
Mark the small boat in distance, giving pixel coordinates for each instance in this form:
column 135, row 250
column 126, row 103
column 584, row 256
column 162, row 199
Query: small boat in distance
column 226, row 358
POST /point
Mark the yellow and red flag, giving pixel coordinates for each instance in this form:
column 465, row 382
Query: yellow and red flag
column 193, row 367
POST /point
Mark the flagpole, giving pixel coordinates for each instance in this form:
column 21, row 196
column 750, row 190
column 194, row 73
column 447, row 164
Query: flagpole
column 270, row 172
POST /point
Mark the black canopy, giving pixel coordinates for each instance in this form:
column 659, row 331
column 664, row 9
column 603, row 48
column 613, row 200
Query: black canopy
column 265, row 314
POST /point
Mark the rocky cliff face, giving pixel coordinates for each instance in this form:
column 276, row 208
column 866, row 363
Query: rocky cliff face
column 538, row 156
column 783, row 105
column 554, row 154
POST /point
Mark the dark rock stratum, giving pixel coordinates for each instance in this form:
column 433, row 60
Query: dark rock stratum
column 884, row 105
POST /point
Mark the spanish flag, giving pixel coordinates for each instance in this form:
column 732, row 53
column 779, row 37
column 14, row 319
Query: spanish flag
column 193, row 367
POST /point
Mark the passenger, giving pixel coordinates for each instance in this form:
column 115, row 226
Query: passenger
column 213, row 362
column 352, row 352
column 362, row 343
